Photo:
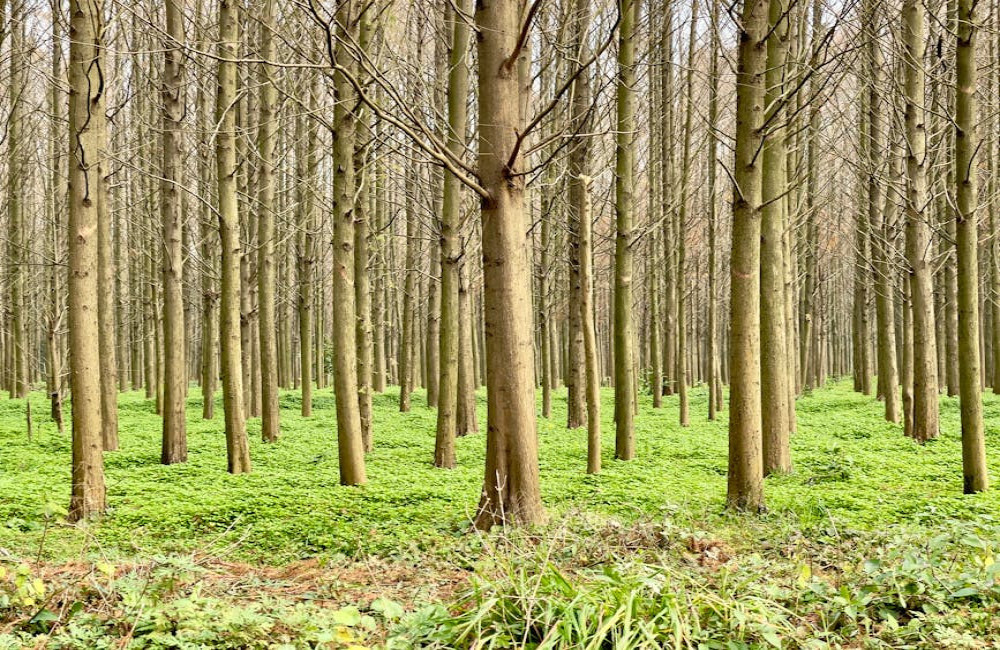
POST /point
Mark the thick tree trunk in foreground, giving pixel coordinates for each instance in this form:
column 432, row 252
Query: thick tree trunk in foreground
column 975, row 477
column 510, row 489
column 237, row 448
column 745, row 484
column 174, row 443
column 87, row 139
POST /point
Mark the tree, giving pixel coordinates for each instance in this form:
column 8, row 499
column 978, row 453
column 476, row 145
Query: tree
column 15, row 204
column 745, row 484
column 878, row 220
column 774, row 352
column 974, row 472
column 581, row 217
column 510, row 488
column 174, row 444
column 451, row 247
column 267, row 131
column 714, row 379
column 682, row 225
column 589, row 331
column 209, row 289
column 106, row 314
column 362, row 229
column 237, row 449
column 576, row 367
column 87, row 142
column 625, row 222
column 407, row 352
column 306, row 163
column 925, row 401
column 350, row 443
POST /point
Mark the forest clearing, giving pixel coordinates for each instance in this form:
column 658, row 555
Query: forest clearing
column 544, row 324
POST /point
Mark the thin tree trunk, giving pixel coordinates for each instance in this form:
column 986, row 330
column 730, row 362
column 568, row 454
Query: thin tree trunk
column 682, row 226
column 582, row 185
column 267, row 135
column 58, row 192
column 467, row 421
column 306, row 163
column 362, row 229
column 17, row 154
column 407, row 354
column 714, row 380
column 624, row 223
column 451, row 246
column 774, row 363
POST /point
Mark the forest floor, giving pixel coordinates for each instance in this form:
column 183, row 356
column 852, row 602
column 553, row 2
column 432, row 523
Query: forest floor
column 867, row 543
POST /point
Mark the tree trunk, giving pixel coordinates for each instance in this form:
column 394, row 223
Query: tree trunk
column 362, row 280
column 16, row 194
column 682, row 225
column 209, row 292
column 745, row 483
column 267, row 135
column 974, row 472
column 510, row 489
column 451, row 245
column 349, row 433
column 174, row 442
column 87, row 140
column 237, row 448
column 467, row 422
column 925, row 377
column 624, row 223
column 774, row 363
column 581, row 184
column 714, row 379
column 881, row 224
column 407, row 353
column 306, row 164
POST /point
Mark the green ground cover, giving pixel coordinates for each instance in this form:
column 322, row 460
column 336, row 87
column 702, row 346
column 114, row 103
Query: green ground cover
column 860, row 502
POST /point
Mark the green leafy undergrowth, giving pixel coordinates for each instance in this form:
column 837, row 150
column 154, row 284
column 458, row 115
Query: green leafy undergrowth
column 656, row 585
column 852, row 469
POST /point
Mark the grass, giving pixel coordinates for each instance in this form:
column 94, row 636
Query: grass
column 855, row 478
